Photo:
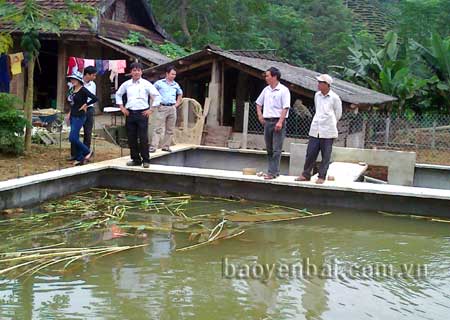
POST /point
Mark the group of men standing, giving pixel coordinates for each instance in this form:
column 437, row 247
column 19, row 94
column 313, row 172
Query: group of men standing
column 144, row 99
column 272, row 107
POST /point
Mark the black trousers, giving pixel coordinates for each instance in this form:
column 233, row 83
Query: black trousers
column 137, row 132
column 87, row 129
column 274, row 144
column 325, row 146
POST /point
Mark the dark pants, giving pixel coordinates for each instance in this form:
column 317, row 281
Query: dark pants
column 137, row 132
column 81, row 150
column 87, row 128
column 274, row 144
column 315, row 145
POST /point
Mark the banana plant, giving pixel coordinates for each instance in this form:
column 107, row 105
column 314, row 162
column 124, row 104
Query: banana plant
column 383, row 71
column 30, row 19
column 436, row 57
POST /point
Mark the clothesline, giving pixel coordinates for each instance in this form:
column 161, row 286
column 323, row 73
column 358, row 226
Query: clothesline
column 116, row 67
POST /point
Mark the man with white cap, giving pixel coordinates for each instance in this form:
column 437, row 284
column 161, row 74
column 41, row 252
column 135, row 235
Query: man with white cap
column 323, row 129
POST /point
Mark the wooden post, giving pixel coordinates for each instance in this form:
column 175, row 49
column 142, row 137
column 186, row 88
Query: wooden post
column 245, row 125
column 386, row 133
column 186, row 105
column 222, row 93
column 241, row 96
column 433, row 135
column 214, row 95
column 61, row 76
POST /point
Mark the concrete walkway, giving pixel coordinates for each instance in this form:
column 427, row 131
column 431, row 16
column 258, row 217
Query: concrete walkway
column 236, row 176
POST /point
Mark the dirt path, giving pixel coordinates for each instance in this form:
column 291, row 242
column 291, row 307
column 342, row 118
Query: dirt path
column 49, row 158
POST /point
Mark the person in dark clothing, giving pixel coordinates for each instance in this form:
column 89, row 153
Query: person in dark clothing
column 78, row 100
column 137, row 110
column 90, row 74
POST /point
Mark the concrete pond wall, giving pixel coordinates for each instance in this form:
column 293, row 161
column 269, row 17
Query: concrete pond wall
column 216, row 172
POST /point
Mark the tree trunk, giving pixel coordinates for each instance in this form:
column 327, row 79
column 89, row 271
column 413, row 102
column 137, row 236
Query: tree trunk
column 183, row 21
column 28, row 108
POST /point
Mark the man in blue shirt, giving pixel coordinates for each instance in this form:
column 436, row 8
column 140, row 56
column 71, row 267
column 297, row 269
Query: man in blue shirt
column 166, row 113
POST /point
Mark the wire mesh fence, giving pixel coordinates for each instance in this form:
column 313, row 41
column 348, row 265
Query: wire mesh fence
column 297, row 124
column 428, row 135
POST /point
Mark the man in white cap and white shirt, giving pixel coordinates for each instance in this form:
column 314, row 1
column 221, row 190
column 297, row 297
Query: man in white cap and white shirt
column 323, row 129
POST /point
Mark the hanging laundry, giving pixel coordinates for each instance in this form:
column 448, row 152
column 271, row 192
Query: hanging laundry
column 4, row 74
column 114, row 70
column 121, row 66
column 99, row 67
column 80, row 63
column 72, row 66
column 105, row 65
column 89, row 63
column 16, row 63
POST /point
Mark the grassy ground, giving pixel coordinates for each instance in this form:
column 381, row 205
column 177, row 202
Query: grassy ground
column 48, row 158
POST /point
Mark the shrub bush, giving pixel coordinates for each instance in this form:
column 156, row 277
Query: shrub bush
column 12, row 124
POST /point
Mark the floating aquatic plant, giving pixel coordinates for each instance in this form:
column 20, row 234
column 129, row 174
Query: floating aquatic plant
column 198, row 220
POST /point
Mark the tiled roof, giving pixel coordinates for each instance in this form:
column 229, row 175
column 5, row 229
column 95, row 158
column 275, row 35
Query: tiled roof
column 56, row 5
column 107, row 28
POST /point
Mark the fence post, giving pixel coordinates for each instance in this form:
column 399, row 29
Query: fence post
column 245, row 125
column 386, row 133
column 185, row 106
column 433, row 135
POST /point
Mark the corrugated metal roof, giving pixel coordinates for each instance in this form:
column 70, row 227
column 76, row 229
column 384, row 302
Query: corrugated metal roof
column 290, row 74
column 306, row 79
column 148, row 54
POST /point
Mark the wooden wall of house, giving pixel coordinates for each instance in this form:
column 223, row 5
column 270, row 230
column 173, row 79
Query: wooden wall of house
column 121, row 13
column 117, row 11
column 128, row 11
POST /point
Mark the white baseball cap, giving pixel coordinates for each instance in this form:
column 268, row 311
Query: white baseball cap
column 325, row 78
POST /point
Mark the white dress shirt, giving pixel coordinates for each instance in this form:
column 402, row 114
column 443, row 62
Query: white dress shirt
column 328, row 113
column 274, row 101
column 92, row 87
column 138, row 94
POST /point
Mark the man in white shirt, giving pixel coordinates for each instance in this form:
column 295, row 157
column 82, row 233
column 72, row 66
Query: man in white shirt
column 89, row 75
column 323, row 129
column 137, row 110
column 272, row 107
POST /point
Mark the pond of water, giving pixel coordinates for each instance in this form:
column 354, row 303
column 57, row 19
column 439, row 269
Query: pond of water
column 347, row 265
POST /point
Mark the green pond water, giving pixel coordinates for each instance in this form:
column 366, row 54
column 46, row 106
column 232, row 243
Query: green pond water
column 347, row 265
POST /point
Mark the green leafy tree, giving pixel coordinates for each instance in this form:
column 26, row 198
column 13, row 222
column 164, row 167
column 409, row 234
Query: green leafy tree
column 418, row 19
column 436, row 57
column 311, row 33
column 169, row 49
column 32, row 18
column 384, row 71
